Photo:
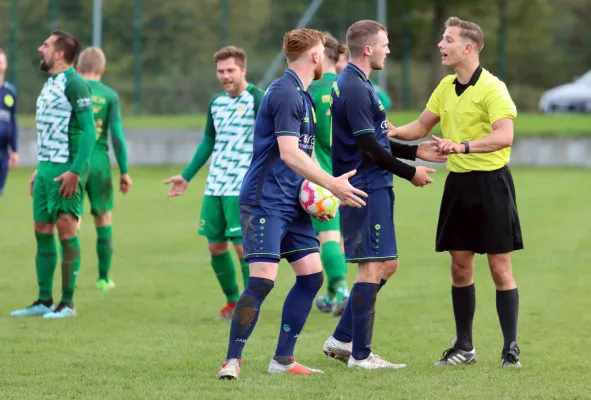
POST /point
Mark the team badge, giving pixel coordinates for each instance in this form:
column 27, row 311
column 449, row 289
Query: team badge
column 240, row 110
column 9, row 100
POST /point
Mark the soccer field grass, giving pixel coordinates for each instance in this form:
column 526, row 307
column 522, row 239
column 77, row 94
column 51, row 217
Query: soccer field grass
column 526, row 124
column 155, row 336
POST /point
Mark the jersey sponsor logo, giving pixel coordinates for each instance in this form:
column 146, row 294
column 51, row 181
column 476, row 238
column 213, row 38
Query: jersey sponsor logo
column 306, row 142
column 384, row 127
column 4, row 115
column 9, row 100
column 99, row 100
column 84, row 102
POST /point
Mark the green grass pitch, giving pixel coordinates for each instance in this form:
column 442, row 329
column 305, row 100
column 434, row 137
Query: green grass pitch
column 526, row 124
column 155, row 336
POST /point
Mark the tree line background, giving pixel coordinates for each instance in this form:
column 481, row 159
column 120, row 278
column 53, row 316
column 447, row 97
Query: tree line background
column 159, row 53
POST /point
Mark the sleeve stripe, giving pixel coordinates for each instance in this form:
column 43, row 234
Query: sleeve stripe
column 290, row 133
column 364, row 130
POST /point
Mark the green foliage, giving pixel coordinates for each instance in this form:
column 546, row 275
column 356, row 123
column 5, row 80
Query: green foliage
column 547, row 43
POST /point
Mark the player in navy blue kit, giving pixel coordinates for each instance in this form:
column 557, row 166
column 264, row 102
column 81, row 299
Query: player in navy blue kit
column 274, row 225
column 360, row 141
column 8, row 126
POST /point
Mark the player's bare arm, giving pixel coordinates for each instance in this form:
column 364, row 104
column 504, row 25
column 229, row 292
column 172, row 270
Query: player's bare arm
column 500, row 138
column 415, row 130
column 302, row 164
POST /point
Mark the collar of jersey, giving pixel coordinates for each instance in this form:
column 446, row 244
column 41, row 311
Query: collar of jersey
column 294, row 76
column 66, row 72
column 359, row 72
column 473, row 79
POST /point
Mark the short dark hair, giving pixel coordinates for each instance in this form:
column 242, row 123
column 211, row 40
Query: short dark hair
column 238, row 54
column 361, row 34
column 331, row 47
column 67, row 43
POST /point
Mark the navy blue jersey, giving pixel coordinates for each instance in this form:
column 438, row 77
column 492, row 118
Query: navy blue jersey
column 286, row 110
column 8, row 127
column 357, row 110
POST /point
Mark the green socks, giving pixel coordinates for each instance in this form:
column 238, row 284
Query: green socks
column 225, row 271
column 335, row 267
column 45, row 263
column 245, row 271
column 104, row 250
column 70, row 267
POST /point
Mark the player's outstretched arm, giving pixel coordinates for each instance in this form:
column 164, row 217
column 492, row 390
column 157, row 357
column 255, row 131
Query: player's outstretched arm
column 415, row 130
column 303, row 165
column 499, row 138
column 371, row 149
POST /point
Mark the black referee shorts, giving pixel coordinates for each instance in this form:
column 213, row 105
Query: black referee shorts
column 479, row 213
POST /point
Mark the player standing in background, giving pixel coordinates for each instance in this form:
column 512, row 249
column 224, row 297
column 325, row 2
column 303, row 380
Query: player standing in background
column 66, row 137
column 329, row 232
column 360, row 141
column 228, row 140
column 478, row 210
column 342, row 63
column 99, row 184
column 8, row 125
column 275, row 225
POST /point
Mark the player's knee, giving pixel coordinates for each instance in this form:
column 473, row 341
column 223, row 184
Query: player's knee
column 310, row 283
column 371, row 272
column 42, row 227
column 67, row 226
column 217, row 248
column 462, row 272
column 103, row 220
column 501, row 271
column 329, row 236
column 390, row 268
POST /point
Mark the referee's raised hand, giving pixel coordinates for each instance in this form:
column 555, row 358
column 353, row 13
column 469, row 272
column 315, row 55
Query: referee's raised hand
column 422, row 177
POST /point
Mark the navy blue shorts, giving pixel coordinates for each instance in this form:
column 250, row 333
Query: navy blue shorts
column 272, row 234
column 368, row 232
column 3, row 171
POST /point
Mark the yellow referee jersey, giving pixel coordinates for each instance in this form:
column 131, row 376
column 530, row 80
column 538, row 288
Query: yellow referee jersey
column 470, row 115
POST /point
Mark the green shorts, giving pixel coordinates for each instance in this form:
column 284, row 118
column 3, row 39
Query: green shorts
column 99, row 185
column 48, row 203
column 220, row 219
column 332, row 225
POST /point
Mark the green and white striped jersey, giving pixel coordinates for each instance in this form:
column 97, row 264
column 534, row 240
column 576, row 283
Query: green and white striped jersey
column 231, row 122
column 58, row 130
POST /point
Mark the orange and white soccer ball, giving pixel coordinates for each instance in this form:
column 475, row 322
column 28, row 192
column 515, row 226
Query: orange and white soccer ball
column 316, row 200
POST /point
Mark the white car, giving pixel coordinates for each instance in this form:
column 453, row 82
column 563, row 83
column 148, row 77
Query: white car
column 571, row 97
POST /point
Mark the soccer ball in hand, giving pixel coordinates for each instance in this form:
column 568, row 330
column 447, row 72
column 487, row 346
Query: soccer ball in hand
column 316, row 200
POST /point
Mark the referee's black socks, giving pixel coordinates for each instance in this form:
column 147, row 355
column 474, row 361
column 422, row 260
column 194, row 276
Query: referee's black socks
column 508, row 308
column 464, row 304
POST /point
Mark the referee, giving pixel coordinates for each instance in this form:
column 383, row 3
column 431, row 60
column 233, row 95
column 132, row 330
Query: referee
column 478, row 210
